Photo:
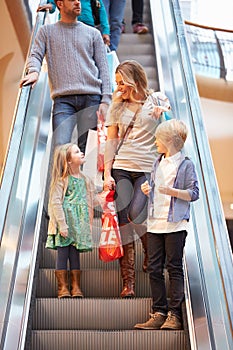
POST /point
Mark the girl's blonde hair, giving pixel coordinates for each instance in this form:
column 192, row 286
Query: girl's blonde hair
column 60, row 171
column 134, row 76
column 172, row 130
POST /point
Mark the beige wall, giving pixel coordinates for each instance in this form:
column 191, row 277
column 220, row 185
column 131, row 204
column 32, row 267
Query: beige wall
column 215, row 89
column 12, row 58
column 218, row 119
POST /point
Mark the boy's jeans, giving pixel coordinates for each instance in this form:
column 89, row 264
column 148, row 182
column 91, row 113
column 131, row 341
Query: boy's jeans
column 166, row 248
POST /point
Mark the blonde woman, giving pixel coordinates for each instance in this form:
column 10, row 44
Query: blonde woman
column 125, row 171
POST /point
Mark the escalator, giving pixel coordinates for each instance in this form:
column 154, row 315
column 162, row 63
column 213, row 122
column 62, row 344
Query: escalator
column 31, row 317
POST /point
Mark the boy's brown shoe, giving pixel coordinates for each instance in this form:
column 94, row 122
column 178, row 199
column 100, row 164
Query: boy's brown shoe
column 155, row 322
column 172, row 322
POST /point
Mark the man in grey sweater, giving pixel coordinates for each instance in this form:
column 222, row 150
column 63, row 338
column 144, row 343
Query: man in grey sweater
column 77, row 70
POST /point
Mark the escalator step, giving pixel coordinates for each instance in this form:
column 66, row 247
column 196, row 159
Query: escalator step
column 92, row 314
column 94, row 283
column 108, row 340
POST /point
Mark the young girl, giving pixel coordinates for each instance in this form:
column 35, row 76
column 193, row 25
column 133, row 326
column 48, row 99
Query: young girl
column 172, row 187
column 71, row 211
column 132, row 100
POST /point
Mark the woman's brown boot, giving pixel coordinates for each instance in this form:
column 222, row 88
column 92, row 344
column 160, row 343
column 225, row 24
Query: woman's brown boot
column 75, row 284
column 127, row 264
column 62, row 282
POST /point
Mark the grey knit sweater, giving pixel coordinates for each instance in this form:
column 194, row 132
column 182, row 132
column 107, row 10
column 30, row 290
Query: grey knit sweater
column 76, row 59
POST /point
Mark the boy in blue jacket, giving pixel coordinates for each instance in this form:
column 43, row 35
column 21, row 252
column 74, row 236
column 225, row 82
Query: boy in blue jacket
column 172, row 187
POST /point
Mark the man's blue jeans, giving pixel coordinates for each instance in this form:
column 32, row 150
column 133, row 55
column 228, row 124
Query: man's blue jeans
column 71, row 111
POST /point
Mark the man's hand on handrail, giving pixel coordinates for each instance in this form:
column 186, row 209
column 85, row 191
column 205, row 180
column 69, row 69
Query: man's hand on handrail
column 30, row 78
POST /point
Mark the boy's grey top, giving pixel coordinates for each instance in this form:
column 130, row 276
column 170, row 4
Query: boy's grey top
column 76, row 59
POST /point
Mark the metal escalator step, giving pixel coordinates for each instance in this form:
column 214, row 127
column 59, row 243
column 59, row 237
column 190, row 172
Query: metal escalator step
column 144, row 60
column 94, row 283
column 152, row 83
column 90, row 260
column 108, row 340
column 143, row 49
column 134, row 39
column 151, row 73
column 89, row 313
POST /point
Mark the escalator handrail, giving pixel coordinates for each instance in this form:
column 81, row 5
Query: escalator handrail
column 9, row 167
column 13, row 176
column 18, row 122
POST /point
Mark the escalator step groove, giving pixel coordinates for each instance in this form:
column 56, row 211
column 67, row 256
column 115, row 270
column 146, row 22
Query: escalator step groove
column 104, row 340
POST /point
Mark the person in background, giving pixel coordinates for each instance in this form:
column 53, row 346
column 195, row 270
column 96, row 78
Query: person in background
column 137, row 18
column 86, row 16
column 131, row 166
column 71, row 203
column 77, row 70
column 115, row 10
column 50, row 6
column 172, row 187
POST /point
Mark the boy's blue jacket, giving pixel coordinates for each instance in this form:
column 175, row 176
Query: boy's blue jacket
column 186, row 179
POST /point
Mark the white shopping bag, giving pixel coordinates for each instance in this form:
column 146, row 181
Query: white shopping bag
column 91, row 154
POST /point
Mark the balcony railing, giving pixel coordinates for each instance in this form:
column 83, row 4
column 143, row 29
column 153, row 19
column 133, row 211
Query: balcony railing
column 211, row 50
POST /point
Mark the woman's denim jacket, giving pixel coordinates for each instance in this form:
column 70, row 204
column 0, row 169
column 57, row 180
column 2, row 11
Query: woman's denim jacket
column 186, row 179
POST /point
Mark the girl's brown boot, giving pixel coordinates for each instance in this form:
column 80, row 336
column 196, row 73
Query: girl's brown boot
column 62, row 282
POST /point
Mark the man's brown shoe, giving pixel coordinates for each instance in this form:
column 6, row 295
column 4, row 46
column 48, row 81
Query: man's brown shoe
column 172, row 322
column 155, row 322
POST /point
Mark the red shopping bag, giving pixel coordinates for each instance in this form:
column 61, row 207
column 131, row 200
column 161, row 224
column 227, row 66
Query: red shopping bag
column 101, row 138
column 110, row 245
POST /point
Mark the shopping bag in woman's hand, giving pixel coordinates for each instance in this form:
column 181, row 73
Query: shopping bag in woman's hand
column 101, row 137
column 110, row 245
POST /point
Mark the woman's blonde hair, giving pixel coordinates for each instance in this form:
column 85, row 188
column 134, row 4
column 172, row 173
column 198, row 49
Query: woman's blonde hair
column 172, row 130
column 60, row 171
column 133, row 76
